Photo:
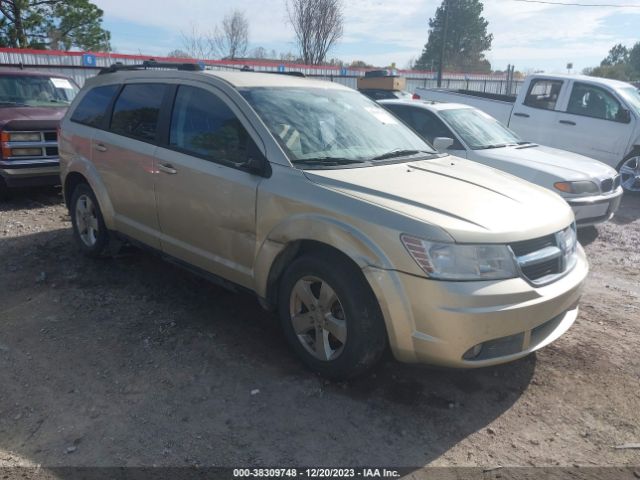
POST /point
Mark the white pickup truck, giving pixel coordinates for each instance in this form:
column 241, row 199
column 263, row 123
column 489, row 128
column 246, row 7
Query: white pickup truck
column 596, row 117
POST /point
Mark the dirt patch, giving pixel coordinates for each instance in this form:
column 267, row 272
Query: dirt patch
column 131, row 361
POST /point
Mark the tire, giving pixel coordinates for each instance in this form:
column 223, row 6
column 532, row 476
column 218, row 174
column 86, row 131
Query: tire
column 355, row 336
column 89, row 229
column 629, row 170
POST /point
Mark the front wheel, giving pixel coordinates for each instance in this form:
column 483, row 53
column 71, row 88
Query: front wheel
column 89, row 229
column 330, row 316
column 630, row 173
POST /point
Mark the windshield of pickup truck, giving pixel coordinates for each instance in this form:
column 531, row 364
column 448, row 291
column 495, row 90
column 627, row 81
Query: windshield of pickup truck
column 35, row 91
column 632, row 96
column 323, row 127
column 479, row 130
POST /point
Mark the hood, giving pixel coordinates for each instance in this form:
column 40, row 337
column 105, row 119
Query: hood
column 560, row 164
column 471, row 202
column 8, row 114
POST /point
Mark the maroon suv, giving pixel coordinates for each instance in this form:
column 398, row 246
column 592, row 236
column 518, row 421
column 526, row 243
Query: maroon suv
column 31, row 106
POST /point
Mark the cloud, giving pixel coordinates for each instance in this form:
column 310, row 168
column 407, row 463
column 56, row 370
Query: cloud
column 381, row 32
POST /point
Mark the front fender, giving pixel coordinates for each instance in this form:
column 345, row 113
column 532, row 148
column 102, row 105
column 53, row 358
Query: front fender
column 319, row 228
column 376, row 268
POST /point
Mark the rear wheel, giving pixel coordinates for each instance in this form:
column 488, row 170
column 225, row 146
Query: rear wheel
column 630, row 173
column 89, row 229
column 331, row 317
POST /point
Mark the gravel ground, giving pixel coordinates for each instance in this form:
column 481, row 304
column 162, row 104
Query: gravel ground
column 132, row 361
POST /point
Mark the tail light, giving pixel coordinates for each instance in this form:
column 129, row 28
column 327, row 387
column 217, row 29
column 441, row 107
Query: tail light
column 415, row 96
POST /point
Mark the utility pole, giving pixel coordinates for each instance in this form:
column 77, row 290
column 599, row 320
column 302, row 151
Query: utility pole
column 445, row 4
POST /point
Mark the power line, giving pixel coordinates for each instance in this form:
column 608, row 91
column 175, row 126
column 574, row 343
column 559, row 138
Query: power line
column 609, row 5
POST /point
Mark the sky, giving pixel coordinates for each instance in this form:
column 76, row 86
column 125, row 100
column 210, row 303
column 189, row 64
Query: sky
column 531, row 36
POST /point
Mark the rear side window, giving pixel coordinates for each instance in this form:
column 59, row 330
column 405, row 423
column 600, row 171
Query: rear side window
column 202, row 124
column 543, row 94
column 136, row 112
column 92, row 109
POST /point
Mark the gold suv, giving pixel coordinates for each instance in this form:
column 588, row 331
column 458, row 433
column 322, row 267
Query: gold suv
column 334, row 213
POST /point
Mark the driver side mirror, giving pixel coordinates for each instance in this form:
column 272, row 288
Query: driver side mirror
column 442, row 143
column 623, row 116
column 257, row 163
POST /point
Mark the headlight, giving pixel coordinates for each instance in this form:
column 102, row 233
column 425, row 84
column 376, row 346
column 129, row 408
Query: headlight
column 24, row 137
column 26, row 152
column 451, row 261
column 583, row 186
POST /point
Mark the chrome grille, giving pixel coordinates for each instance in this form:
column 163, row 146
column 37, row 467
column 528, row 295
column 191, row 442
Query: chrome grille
column 542, row 260
column 528, row 246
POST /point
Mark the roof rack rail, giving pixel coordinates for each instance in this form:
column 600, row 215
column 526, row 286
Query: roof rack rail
column 247, row 68
column 147, row 64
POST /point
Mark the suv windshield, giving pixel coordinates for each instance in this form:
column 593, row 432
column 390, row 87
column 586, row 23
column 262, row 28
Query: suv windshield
column 478, row 129
column 36, row 91
column 318, row 126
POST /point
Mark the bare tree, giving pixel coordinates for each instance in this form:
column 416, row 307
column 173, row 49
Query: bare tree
column 198, row 44
column 318, row 25
column 177, row 53
column 232, row 38
column 259, row 53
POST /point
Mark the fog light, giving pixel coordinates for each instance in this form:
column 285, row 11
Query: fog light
column 26, row 152
column 473, row 352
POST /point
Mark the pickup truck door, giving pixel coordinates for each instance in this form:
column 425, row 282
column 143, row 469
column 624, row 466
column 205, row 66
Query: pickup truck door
column 594, row 123
column 534, row 117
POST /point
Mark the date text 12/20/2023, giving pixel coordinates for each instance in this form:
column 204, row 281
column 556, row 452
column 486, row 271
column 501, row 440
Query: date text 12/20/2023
column 316, row 472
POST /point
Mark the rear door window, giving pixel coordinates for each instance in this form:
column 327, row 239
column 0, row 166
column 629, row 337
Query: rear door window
column 137, row 110
column 203, row 125
column 93, row 108
column 543, row 94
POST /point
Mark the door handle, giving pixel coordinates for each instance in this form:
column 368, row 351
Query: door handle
column 567, row 122
column 518, row 114
column 100, row 147
column 167, row 168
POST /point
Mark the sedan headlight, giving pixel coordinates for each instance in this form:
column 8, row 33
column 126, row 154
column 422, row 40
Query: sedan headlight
column 582, row 186
column 451, row 261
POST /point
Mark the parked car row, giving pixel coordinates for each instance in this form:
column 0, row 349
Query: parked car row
column 591, row 188
column 591, row 116
column 336, row 214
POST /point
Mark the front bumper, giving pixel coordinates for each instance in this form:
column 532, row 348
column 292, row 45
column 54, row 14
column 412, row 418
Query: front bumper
column 30, row 173
column 439, row 322
column 595, row 209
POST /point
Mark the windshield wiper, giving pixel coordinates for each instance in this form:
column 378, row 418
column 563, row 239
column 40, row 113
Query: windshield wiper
column 400, row 153
column 326, row 161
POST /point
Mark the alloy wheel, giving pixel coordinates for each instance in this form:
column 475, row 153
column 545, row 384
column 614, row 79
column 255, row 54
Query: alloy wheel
column 630, row 174
column 318, row 318
column 87, row 220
